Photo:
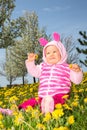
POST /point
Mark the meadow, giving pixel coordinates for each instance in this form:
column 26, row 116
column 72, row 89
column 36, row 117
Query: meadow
column 70, row 116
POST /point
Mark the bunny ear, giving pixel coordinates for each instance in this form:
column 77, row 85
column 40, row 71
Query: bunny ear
column 56, row 36
column 43, row 41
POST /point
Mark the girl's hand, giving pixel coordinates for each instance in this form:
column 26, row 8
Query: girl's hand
column 32, row 56
column 75, row 67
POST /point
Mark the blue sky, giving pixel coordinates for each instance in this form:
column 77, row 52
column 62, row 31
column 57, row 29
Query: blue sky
column 66, row 17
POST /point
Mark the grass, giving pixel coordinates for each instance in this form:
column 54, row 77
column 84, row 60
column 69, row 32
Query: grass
column 70, row 116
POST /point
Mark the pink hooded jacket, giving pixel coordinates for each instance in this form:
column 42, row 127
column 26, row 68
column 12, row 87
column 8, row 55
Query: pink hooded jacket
column 57, row 78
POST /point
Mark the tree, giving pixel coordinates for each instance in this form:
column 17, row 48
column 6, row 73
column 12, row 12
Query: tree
column 12, row 31
column 11, row 73
column 6, row 8
column 83, row 43
column 17, row 58
column 70, row 46
column 26, row 44
column 32, row 34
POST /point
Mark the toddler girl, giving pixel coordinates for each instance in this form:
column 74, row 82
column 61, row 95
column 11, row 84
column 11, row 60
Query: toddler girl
column 54, row 74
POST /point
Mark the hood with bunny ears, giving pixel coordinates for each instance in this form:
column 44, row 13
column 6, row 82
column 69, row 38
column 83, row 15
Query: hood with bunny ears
column 56, row 42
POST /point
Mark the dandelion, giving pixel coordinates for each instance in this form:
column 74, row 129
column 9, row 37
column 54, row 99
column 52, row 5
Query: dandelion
column 59, row 106
column 61, row 128
column 40, row 126
column 70, row 66
column 74, row 104
column 13, row 99
column 1, row 103
column 81, row 107
column 15, row 113
column 81, row 90
column 57, row 113
column 29, row 109
column 35, row 113
column 14, row 108
column 65, row 96
column 74, row 89
column 36, row 94
column 36, row 56
column 37, row 98
column 1, row 116
column 7, row 93
column 66, row 106
column 31, row 90
column 76, row 97
column 1, row 125
column 18, row 119
column 47, row 117
column 86, row 89
column 70, row 120
column 85, row 100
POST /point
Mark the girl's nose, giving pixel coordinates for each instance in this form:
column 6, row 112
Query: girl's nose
column 52, row 53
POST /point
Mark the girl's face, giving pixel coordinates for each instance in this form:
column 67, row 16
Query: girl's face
column 52, row 54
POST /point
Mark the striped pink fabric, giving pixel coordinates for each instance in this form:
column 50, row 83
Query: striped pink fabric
column 54, row 79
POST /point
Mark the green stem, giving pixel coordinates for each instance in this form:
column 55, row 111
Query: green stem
column 28, row 125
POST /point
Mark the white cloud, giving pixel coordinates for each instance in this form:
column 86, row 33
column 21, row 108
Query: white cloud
column 56, row 8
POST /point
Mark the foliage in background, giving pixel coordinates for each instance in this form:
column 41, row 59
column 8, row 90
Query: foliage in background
column 70, row 46
column 6, row 9
column 27, row 33
column 83, row 43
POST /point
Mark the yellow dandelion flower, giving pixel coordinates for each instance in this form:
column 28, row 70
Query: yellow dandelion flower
column 85, row 100
column 47, row 117
column 76, row 97
column 37, row 98
column 1, row 125
column 55, row 129
column 40, row 126
column 31, row 90
column 86, row 89
column 66, row 106
column 36, row 56
column 65, row 96
column 15, row 113
column 1, row 116
column 1, row 103
column 61, row 128
column 18, row 119
column 70, row 120
column 13, row 99
column 36, row 94
column 81, row 90
column 74, row 89
column 29, row 109
column 35, row 113
column 59, row 106
column 74, row 104
column 57, row 113
column 81, row 107
column 14, row 108
column 70, row 66
column 7, row 93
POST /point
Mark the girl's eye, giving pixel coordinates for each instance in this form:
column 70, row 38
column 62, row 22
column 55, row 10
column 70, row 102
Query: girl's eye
column 54, row 51
column 48, row 53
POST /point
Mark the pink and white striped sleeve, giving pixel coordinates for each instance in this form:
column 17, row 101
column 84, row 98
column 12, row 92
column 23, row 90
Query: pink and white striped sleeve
column 33, row 69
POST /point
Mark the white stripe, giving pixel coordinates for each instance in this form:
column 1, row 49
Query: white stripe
column 54, row 88
column 42, row 94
